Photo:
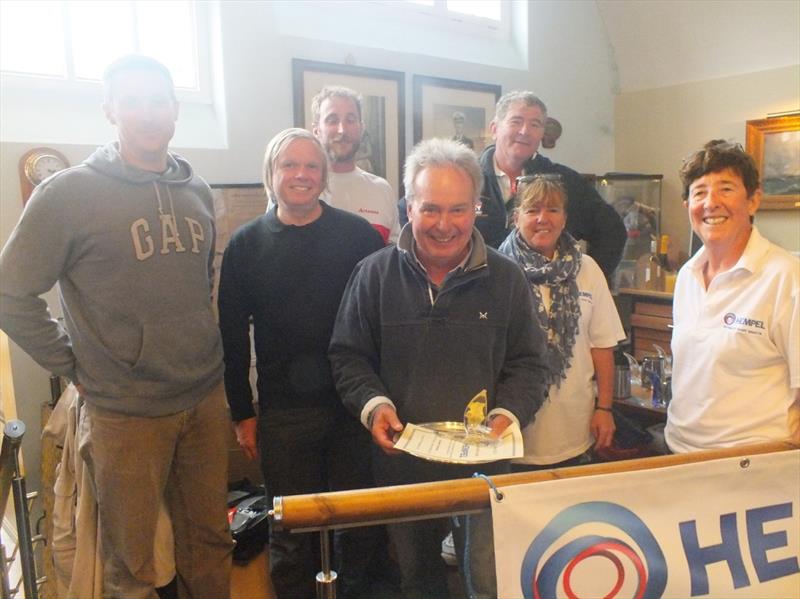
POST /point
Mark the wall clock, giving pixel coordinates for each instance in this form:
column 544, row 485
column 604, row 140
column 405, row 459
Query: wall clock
column 36, row 165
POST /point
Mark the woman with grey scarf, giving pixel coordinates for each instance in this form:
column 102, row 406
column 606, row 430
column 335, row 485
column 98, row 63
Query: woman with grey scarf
column 577, row 313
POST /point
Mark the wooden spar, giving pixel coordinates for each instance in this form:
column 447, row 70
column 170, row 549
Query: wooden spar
column 343, row 509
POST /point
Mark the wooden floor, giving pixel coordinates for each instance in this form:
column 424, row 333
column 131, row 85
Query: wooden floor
column 251, row 581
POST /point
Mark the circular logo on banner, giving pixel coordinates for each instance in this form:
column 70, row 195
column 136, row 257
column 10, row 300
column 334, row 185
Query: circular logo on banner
column 729, row 318
column 553, row 555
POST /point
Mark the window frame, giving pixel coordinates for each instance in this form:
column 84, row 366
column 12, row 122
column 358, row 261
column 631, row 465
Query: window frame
column 74, row 86
column 455, row 21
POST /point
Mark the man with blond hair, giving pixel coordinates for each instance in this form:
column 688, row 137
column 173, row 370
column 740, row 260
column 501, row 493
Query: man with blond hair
column 285, row 272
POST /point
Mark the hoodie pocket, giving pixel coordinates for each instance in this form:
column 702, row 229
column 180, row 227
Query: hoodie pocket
column 182, row 349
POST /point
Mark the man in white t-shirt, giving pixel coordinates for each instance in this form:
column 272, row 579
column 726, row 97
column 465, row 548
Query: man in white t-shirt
column 336, row 114
column 736, row 342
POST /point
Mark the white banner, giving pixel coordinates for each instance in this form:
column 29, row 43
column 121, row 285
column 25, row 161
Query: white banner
column 726, row 528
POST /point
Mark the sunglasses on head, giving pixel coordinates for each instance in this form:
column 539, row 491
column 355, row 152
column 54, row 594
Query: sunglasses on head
column 526, row 179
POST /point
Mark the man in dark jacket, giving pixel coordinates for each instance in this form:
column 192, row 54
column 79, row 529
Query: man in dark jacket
column 422, row 328
column 517, row 128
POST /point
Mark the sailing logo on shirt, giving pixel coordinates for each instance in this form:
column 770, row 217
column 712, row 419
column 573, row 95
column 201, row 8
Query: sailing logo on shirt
column 743, row 324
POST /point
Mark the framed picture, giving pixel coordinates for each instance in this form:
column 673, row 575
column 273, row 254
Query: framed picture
column 382, row 150
column 234, row 205
column 459, row 110
column 774, row 144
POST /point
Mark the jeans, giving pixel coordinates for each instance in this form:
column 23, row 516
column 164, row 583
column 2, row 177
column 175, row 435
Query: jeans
column 134, row 462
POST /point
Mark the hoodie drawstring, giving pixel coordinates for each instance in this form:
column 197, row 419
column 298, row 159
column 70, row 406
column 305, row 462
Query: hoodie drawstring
column 171, row 205
column 158, row 198
column 161, row 206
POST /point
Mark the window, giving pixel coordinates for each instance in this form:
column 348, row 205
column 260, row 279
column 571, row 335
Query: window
column 487, row 9
column 420, row 27
column 490, row 15
column 53, row 53
column 71, row 42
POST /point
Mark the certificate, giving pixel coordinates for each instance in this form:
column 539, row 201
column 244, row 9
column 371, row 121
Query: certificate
column 448, row 442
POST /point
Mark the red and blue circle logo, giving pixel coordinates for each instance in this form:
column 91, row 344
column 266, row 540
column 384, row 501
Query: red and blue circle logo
column 566, row 541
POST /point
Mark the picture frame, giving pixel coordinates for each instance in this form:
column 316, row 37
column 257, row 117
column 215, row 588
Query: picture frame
column 774, row 144
column 235, row 204
column 439, row 105
column 382, row 149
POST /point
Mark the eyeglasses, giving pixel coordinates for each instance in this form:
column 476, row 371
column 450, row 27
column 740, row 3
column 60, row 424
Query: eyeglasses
column 526, row 179
column 727, row 146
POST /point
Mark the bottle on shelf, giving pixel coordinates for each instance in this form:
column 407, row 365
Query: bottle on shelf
column 649, row 273
column 668, row 273
column 663, row 249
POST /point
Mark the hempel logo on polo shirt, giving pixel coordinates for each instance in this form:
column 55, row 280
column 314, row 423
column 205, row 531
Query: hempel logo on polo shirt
column 743, row 324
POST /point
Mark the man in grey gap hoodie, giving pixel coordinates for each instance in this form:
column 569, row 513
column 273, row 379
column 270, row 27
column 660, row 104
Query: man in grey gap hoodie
column 129, row 237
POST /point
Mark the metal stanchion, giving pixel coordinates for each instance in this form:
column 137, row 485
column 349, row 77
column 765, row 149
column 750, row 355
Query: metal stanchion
column 12, row 472
column 5, row 585
column 326, row 579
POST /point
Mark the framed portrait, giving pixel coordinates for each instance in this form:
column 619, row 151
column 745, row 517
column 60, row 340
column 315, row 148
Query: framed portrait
column 459, row 110
column 774, row 144
column 382, row 150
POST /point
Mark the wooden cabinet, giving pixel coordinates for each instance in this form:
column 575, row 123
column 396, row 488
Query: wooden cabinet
column 650, row 321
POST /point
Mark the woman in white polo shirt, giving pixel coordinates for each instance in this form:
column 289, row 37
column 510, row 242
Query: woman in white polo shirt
column 577, row 313
column 736, row 341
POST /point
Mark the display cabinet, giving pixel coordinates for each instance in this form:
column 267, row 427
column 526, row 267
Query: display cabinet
column 637, row 199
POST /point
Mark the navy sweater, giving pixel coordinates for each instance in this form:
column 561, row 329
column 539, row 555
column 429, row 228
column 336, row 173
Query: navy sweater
column 430, row 359
column 289, row 280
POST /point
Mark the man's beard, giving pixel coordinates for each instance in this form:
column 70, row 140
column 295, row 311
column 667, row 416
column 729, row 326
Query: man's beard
column 335, row 156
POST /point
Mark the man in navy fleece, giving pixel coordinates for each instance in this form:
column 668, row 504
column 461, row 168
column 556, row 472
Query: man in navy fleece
column 423, row 327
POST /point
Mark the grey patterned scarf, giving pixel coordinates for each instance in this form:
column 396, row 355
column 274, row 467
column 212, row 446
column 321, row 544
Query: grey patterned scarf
column 561, row 325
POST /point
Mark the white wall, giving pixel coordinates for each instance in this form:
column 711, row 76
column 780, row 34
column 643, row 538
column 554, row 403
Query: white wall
column 656, row 128
column 664, row 42
column 570, row 67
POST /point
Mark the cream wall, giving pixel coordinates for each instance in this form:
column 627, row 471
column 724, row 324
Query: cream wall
column 656, row 128
column 573, row 73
